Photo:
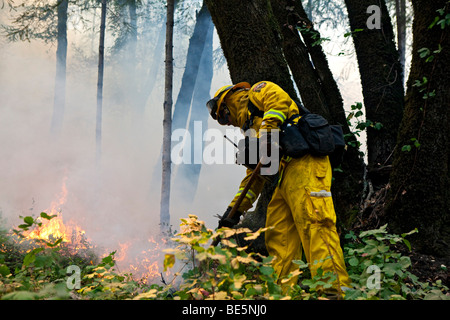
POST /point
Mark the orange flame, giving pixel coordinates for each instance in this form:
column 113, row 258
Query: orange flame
column 55, row 228
column 143, row 259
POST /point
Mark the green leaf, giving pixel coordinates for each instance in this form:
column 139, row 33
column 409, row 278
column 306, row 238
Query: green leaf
column 46, row 216
column 353, row 261
column 57, row 242
column 266, row 270
column 28, row 220
column 378, row 125
column 436, row 19
column 406, row 148
column 31, row 256
column 4, row 270
column 423, row 52
column 439, row 49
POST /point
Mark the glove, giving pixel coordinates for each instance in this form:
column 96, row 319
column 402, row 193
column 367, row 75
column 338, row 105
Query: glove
column 248, row 152
column 229, row 222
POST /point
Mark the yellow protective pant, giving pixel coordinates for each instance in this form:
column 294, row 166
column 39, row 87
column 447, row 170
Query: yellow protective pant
column 302, row 214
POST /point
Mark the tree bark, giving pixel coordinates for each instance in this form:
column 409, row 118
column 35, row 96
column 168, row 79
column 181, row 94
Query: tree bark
column 187, row 175
column 60, row 78
column 191, row 69
column 400, row 10
column 320, row 94
column 419, row 196
column 167, row 122
column 251, row 42
column 381, row 79
column 101, row 57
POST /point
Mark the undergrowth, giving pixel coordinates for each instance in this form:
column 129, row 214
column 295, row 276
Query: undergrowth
column 39, row 270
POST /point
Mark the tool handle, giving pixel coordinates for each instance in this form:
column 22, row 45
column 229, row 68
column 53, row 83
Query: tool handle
column 238, row 202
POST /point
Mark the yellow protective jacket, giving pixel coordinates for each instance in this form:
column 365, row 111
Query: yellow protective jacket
column 277, row 107
column 301, row 211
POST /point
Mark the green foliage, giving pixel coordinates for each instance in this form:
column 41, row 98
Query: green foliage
column 379, row 270
column 222, row 272
column 375, row 264
column 359, row 126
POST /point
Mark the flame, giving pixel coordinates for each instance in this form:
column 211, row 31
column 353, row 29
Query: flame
column 141, row 258
column 55, row 228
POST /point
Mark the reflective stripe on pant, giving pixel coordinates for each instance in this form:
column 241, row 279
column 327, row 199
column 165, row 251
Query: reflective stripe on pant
column 302, row 214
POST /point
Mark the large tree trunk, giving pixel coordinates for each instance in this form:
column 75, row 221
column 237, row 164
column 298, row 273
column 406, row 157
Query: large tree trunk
column 381, row 79
column 320, row 94
column 167, row 122
column 420, row 188
column 251, row 42
column 60, row 78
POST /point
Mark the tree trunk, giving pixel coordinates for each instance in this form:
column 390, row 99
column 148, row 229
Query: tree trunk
column 320, row 94
column 188, row 174
column 400, row 10
column 196, row 45
column 420, row 181
column 60, row 78
column 381, row 79
column 251, row 42
column 101, row 56
column 167, row 122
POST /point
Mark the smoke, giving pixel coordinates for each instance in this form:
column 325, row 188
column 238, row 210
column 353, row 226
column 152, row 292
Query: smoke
column 113, row 201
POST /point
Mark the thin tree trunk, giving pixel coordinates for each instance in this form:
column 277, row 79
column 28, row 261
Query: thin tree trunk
column 191, row 69
column 101, row 57
column 60, row 78
column 188, row 174
column 167, row 122
column 420, row 181
column 400, row 9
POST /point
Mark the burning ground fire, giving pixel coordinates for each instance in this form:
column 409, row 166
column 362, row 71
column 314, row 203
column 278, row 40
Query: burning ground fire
column 142, row 259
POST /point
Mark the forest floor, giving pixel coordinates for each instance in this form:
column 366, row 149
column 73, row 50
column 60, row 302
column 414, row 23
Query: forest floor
column 428, row 268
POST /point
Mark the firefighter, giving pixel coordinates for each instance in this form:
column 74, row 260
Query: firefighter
column 301, row 211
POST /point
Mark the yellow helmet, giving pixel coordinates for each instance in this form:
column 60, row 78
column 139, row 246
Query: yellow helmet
column 214, row 105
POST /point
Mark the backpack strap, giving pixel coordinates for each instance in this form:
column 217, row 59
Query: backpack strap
column 301, row 108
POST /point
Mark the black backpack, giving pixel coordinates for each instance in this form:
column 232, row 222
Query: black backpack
column 312, row 134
